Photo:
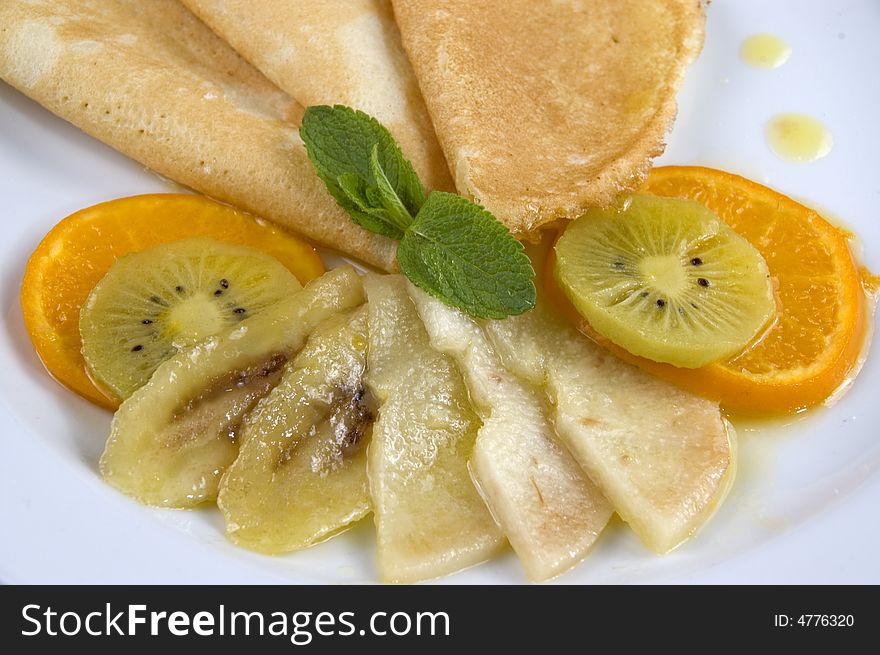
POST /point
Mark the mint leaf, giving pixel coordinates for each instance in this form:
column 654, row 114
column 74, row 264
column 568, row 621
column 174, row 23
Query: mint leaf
column 453, row 249
column 340, row 142
column 395, row 211
column 366, row 203
column 458, row 252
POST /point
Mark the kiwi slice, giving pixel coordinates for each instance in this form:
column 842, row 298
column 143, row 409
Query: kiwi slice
column 172, row 440
column 153, row 303
column 666, row 279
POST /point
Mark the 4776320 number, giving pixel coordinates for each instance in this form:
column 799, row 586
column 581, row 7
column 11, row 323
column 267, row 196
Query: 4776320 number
column 813, row 621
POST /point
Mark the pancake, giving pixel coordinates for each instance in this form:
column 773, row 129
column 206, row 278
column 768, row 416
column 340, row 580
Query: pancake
column 546, row 108
column 152, row 81
column 325, row 52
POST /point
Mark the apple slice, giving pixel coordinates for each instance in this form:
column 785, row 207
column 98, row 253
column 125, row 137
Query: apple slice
column 430, row 519
column 301, row 473
column 662, row 456
column 547, row 506
column 173, row 438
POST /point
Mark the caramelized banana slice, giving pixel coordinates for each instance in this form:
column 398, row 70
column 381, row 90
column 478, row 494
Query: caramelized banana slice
column 171, row 441
column 430, row 518
column 301, row 474
column 549, row 509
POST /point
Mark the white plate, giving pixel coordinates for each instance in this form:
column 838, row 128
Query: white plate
column 803, row 508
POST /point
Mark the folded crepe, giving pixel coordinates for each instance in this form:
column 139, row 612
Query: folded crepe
column 545, row 108
column 325, row 52
column 151, row 80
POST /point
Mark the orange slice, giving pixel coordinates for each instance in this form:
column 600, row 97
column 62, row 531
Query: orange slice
column 77, row 252
column 813, row 347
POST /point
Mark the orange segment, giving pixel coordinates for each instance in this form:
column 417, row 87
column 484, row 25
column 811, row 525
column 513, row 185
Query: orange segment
column 815, row 343
column 77, row 252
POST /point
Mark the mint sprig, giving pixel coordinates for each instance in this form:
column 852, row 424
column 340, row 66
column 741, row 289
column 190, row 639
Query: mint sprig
column 450, row 247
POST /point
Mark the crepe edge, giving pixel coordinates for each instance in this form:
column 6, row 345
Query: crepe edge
column 624, row 174
column 320, row 221
column 628, row 173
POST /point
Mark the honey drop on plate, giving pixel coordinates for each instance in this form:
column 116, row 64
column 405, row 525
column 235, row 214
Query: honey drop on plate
column 764, row 51
column 798, row 138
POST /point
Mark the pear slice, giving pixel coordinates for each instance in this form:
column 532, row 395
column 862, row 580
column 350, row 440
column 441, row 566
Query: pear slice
column 301, row 473
column 663, row 457
column 430, row 518
column 548, row 508
column 173, row 438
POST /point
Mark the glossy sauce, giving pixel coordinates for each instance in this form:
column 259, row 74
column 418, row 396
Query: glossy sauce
column 764, row 51
column 798, row 138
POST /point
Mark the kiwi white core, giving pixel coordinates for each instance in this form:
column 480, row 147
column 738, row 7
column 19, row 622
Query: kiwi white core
column 195, row 319
column 664, row 273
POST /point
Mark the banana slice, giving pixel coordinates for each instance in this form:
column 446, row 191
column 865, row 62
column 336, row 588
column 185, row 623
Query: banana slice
column 547, row 506
column 430, row 518
column 663, row 457
column 301, row 474
column 171, row 441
